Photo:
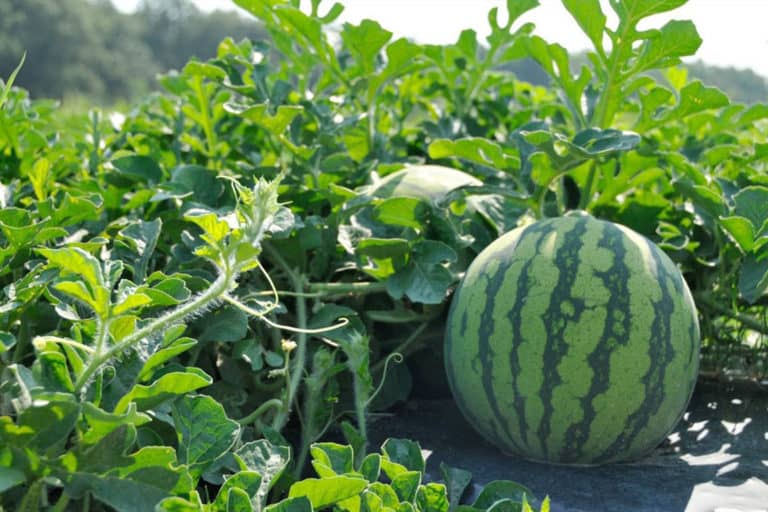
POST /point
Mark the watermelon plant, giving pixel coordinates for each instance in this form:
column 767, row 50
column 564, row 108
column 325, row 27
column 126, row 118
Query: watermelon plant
column 227, row 272
column 573, row 340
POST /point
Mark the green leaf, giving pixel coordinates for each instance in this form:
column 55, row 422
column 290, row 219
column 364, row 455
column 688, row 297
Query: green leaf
column 365, row 41
column 383, row 248
column 370, row 468
column 456, row 481
column 122, row 326
column 632, row 11
column 425, row 280
column 402, row 58
column 339, row 458
column 49, row 424
column 205, row 432
column 432, row 497
column 477, row 150
column 77, row 262
column 167, row 387
column 696, row 97
column 101, row 422
column 54, row 372
column 141, row 167
column 10, row 477
column 7, row 341
column 267, row 459
column 39, row 176
column 203, row 69
column 214, row 228
column 752, row 204
column 124, row 495
column 299, row 504
column 370, row 502
column 163, row 355
column 78, row 290
column 158, row 466
column 402, row 211
column 227, row 324
column 260, row 115
column 592, row 141
column 237, row 500
column 405, row 452
column 500, row 490
column 75, row 209
column 741, row 230
column 701, row 196
column 9, row 83
column 247, row 481
column 138, row 239
column 406, row 484
column 327, row 491
column 424, row 284
column 590, row 17
column 131, row 302
column 507, row 505
column 385, row 492
column 166, row 291
column 357, row 143
column 516, row 8
column 666, row 46
column 201, row 184
column 176, row 504
column 109, row 451
column 753, row 278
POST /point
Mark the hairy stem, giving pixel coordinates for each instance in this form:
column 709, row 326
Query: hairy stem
column 159, row 325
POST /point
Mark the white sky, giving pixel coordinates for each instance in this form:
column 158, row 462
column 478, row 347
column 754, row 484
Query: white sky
column 735, row 32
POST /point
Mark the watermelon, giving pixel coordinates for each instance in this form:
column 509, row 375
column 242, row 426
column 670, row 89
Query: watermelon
column 573, row 340
column 425, row 182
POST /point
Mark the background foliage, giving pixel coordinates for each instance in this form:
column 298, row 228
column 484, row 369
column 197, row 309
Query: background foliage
column 89, row 49
column 199, row 289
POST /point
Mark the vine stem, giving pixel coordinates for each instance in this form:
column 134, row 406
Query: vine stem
column 402, row 348
column 322, row 289
column 604, row 112
column 274, row 403
column 746, row 320
column 362, row 396
column 219, row 287
column 299, row 360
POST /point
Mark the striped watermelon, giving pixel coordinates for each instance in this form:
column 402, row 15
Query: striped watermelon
column 425, row 182
column 573, row 340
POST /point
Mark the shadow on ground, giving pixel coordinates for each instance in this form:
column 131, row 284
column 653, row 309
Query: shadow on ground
column 716, row 460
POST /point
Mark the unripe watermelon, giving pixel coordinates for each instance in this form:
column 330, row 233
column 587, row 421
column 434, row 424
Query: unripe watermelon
column 573, row 340
column 425, row 182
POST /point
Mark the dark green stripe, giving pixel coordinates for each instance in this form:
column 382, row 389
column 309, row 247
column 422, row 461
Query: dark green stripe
column 616, row 328
column 556, row 346
column 516, row 319
column 487, row 355
column 458, row 395
column 661, row 351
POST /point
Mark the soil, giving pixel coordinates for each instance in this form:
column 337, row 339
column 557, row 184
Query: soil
column 715, row 460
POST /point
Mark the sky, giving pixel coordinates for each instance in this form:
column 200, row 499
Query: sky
column 734, row 31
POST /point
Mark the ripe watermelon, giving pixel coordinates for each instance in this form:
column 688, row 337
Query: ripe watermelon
column 426, row 182
column 573, row 340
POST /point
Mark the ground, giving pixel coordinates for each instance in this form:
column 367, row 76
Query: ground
column 715, row 460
